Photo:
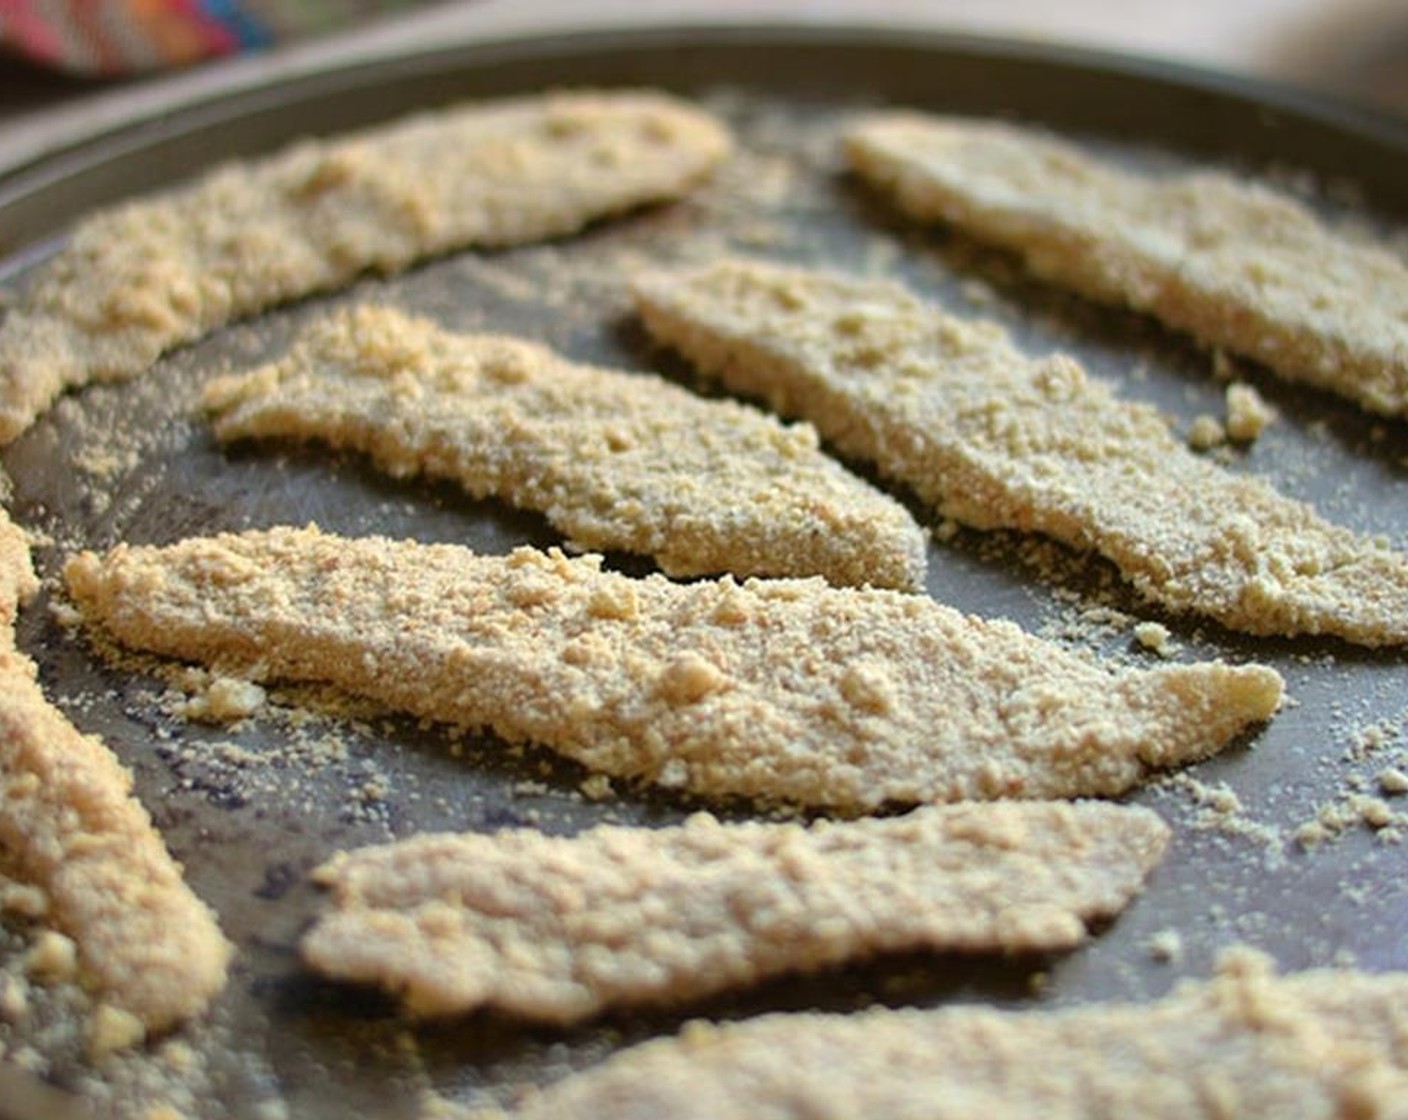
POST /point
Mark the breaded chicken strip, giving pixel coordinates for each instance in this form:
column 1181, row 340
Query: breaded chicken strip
column 151, row 274
column 782, row 690
column 615, row 460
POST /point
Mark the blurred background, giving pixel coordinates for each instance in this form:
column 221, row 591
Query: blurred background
column 72, row 67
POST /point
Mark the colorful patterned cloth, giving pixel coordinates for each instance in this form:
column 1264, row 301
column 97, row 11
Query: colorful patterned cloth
column 107, row 37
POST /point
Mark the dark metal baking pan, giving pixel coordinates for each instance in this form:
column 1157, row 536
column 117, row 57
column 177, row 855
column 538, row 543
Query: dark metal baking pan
column 133, row 462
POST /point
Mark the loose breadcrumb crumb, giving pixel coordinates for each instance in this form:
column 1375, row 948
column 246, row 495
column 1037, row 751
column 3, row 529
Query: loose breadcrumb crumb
column 14, row 999
column 1205, row 433
column 1155, row 637
column 1166, row 946
column 225, row 700
column 23, row 899
column 1374, row 812
column 1247, row 414
column 53, row 958
column 111, row 1029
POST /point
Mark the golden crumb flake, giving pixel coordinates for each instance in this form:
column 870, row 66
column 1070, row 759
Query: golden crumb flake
column 1206, row 432
column 53, row 958
column 1247, row 414
column 112, row 1029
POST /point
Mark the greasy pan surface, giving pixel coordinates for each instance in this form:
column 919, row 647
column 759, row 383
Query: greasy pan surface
column 250, row 809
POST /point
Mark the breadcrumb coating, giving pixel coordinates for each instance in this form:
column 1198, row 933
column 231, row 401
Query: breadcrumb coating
column 616, row 461
column 557, row 929
column 17, row 579
column 70, row 825
column 151, row 274
column 998, row 439
column 781, row 690
column 1231, row 262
